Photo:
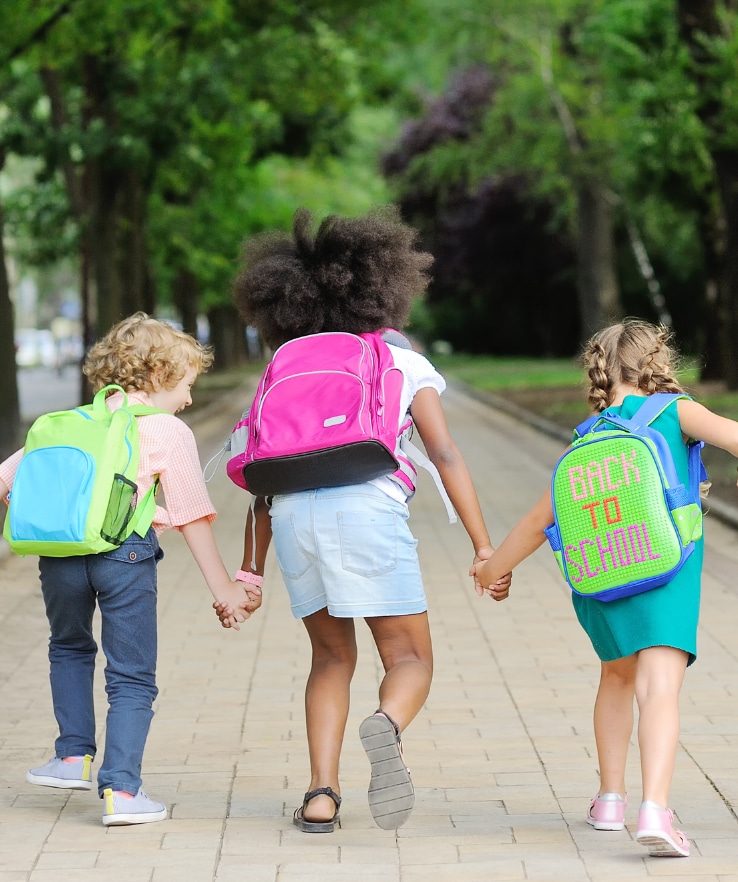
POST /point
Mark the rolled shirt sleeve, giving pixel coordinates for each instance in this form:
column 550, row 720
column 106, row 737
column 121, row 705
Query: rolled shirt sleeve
column 169, row 449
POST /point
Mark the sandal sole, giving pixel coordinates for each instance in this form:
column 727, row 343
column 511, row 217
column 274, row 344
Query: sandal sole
column 306, row 826
column 613, row 826
column 660, row 845
column 391, row 793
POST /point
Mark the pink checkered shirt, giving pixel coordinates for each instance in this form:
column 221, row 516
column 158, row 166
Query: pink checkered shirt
column 168, row 449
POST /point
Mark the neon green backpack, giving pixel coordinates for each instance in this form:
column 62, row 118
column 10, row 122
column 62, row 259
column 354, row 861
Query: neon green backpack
column 623, row 522
column 75, row 490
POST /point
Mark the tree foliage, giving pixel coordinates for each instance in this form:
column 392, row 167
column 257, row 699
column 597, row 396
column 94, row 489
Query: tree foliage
column 502, row 280
column 598, row 111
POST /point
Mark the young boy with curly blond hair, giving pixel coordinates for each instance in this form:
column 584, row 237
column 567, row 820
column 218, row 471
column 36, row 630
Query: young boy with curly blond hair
column 156, row 365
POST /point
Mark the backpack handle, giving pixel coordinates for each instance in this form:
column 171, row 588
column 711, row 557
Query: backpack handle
column 98, row 402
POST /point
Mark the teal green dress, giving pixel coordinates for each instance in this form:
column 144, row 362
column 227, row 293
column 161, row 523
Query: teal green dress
column 665, row 616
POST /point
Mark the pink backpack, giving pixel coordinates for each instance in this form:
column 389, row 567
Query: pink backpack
column 326, row 414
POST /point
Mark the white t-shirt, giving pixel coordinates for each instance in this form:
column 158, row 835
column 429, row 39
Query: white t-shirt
column 418, row 373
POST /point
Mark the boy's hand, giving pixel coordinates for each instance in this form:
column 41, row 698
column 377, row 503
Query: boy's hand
column 237, row 609
column 234, row 604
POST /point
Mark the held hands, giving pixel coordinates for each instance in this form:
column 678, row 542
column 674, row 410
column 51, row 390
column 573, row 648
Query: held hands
column 236, row 602
column 497, row 590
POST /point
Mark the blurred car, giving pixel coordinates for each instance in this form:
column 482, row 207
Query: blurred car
column 71, row 350
column 35, row 348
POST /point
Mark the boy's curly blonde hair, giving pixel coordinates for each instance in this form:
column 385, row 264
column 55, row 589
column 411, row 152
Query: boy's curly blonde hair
column 140, row 349
column 633, row 352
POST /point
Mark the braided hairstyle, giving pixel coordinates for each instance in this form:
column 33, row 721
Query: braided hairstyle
column 632, row 352
column 353, row 274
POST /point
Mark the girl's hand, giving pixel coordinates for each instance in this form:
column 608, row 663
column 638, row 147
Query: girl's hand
column 233, row 605
column 483, row 553
column 498, row 590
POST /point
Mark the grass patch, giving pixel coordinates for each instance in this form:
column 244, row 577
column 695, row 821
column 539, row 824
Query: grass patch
column 556, row 389
column 513, row 374
column 497, row 374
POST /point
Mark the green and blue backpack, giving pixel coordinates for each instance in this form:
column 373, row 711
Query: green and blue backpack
column 623, row 522
column 75, row 490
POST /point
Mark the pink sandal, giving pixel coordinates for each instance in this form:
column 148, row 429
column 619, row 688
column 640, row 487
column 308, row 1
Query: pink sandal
column 607, row 811
column 657, row 833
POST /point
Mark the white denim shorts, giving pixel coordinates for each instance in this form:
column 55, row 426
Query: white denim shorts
column 348, row 549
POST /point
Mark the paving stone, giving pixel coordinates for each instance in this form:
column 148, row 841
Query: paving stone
column 502, row 756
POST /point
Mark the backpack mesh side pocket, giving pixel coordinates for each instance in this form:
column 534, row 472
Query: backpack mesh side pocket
column 121, row 506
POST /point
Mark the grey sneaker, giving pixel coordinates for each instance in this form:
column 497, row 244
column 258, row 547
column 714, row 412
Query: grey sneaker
column 138, row 809
column 76, row 775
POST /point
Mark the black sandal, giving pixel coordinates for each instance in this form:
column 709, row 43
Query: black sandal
column 308, row 826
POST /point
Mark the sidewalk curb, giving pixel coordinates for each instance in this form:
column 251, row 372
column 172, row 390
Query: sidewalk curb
column 723, row 511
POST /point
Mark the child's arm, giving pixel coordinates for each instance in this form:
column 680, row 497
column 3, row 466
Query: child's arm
column 200, row 539
column 698, row 422
column 524, row 538
column 430, row 420
column 263, row 534
column 8, row 468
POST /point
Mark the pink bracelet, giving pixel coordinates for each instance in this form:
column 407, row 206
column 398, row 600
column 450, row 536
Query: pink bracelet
column 251, row 578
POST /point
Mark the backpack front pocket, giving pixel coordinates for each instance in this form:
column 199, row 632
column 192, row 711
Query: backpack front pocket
column 36, row 515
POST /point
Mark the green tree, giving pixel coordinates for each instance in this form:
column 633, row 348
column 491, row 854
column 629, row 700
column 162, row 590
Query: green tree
column 9, row 402
column 709, row 29
column 594, row 111
column 143, row 106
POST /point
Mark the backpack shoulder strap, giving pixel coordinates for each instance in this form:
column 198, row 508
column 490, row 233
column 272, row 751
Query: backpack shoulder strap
column 390, row 335
column 650, row 408
column 144, row 410
column 654, row 405
column 420, row 459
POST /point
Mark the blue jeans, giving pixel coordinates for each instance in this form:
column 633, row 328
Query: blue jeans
column 123, row 584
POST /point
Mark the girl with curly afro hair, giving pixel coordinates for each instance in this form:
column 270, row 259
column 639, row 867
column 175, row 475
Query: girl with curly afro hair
column 347, row 552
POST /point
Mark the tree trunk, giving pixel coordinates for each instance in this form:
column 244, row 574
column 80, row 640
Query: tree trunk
column 9, row 401
column 77, row 187
column 597, row 284
column 227, row 336
column 726, row 166
column 133, row 264
column 698, row 19
column 186, row 296
column 105, row 255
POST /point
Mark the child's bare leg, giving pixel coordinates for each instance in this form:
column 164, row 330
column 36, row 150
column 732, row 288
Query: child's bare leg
column 327, row 696
column 658, row 683
column 613, row 721
column 404, row 645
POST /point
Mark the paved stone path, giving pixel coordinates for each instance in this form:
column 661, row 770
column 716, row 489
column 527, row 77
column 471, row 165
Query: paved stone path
column 502, row 756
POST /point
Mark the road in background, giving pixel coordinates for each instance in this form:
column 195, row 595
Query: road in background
column 44, row 389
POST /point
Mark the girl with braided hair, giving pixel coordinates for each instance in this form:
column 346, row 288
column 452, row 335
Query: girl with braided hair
column 645, row 642
column 347, row 552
